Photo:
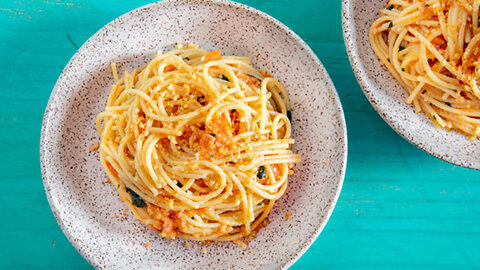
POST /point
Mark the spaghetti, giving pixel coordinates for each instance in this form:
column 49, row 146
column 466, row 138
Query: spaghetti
column 432, row 48
column 198, row 144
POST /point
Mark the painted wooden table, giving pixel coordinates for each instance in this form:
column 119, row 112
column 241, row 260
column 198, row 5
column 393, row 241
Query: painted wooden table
column 399, row 207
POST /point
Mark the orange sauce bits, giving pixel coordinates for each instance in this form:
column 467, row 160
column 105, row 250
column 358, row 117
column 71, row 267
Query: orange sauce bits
column 277, row 173
column 111, row 169
column 249, row 80
column 439, row 43
column 216, row 140
column 169, row 68
column 212, row 56
column 167, row 221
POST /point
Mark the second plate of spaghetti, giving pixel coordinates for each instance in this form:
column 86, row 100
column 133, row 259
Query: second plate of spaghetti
column 193, row 134
column 418, row 63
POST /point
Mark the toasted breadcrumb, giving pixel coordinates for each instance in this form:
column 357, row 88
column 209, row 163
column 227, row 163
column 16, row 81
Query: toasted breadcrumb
column 108, row 181
column 103, row 183
column 240, row 243
column 94, row 147
column 288, row 215
column 115, row 215
column 325, row 162
column 204, row 250
column 291, row 171
column 187, row 244
column 147, row 245
column 172, row 243
column 206, row 243
column 265, row 73
column 254, row 233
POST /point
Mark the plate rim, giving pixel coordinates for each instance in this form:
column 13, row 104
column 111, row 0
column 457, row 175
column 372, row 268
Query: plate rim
column 330, row 85
column 349, row 35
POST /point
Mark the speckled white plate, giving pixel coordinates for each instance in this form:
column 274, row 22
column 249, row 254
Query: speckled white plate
column 73, row 177
column 388, row 97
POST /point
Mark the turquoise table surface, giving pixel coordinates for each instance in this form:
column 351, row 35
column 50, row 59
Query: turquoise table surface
column 399, row 207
